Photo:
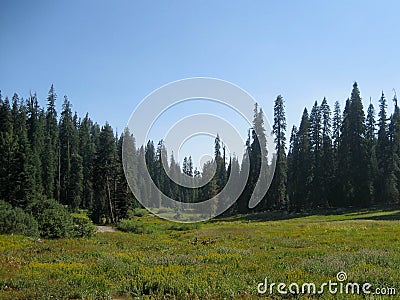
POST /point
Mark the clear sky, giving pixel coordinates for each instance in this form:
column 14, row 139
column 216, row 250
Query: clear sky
column 108, row 55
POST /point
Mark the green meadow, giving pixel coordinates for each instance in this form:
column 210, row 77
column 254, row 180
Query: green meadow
column 220, row 259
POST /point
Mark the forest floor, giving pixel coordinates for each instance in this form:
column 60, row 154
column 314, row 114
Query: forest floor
column 221, row 259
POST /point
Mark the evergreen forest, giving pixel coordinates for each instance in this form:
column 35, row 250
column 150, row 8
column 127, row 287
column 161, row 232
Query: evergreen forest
column 336, row 157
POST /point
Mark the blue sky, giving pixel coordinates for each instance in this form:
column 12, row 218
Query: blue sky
column 108, row 55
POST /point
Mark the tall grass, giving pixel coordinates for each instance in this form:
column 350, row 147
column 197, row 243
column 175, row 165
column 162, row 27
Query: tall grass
column 218, row 260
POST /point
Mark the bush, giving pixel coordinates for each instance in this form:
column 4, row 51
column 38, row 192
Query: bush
column 53, row 218
column 166, row 210
column 83, row 226
column 137, row 212
column 55, row 223
column 46, row 218
column 15, row 220
column 134, row 227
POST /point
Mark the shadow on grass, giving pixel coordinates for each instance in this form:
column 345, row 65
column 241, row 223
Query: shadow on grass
column 263, row 216
column 395, row 216
column 259, row 216
column 351, row 213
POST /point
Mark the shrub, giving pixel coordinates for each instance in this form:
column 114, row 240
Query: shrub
column 54, row 223
column 15, row 220
column 166, row 210
column 137, row 212
column 37, row 206
column 83, row 226
column 53, row 218
column 134, row 227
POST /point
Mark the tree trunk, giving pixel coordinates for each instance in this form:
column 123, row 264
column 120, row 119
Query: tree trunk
column 110, row 201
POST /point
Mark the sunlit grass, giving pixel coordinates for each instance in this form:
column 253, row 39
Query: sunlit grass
column 217, row 260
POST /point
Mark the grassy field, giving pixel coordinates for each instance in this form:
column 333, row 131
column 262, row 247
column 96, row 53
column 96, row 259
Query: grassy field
column 230, row 257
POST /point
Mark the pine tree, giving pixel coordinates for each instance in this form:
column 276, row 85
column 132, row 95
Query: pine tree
column 162, row 170
column 190, row 167
column 258, row 155
column 345, row 191
column 278, row 194
column 125, row 200
column 150, row 156
column 23, row 171
column 357, row 168
column 66, row 136
column 327, row 159
column 49, row 156
column 382, row 147
column 303, row 154
column 336, row 130
column 292, row 166
column 143, row 186
column 371, row 125
column 187, row 177
column 7, row 149
column 371, row 142
column 394, row 131
column 339, row 162
column 104, row 173
column 233, row 173
column 70, row 168
column 244, row 175
column 210, row 190
column 35, row 128
column 220, row 173
column 336, row 126
column 315, row 131
column 185, row 166
column 151, row 163
column 387, row 181
column 87, row 149
column 316, row 193
column 174, row 171
column 75, row 182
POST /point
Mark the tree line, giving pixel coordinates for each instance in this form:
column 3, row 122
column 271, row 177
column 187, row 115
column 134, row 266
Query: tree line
column 337, row 159
column 333, row 159
column 70, row 159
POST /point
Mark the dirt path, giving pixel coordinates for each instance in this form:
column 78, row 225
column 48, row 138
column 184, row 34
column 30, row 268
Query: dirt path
column 101, row 229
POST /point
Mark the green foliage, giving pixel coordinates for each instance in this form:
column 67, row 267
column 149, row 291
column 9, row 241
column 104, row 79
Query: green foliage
column 278, row 193
column 45, row 218
column 55, row 224
column 184, row 226
column 137, row 212
column 79, row 163
column 71, row 171
column 300, row 160
column 35, row 129
column 134, row 226
column 83, row 226
column 87, row 152
column 360, row 183
column 386, row 181
column 104, row 173
column 49, row 155
column 15, row 220
column 326, row 172
column 54, row 219
column 149, row 225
